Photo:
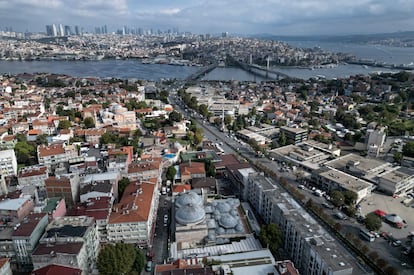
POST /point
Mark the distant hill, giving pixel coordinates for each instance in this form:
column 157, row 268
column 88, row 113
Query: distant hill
column 407, row 36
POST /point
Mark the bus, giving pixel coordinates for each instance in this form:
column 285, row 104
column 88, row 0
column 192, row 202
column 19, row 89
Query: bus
column 366, row 235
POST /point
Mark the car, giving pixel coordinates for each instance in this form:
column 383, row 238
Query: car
column 300, row 186
column 396, row 243
column 376, row 234
column 327, row 205
column 165, row 218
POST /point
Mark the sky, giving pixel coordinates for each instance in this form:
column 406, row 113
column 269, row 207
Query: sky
column 279, row 17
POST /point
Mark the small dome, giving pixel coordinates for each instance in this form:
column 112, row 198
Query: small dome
column 227, row 221
column 220, row 230
column 223, row 207
column 234, row 212
column 188, row 198
column 190, row 214
column 239, row 228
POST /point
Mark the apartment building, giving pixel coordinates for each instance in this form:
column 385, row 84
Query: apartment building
column 33, row 176
column 55, row 154
column 26, row 237
column 70, row 241
column 310, row 247
column 131, row 220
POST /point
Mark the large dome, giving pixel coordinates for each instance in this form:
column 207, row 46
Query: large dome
column 228, row 221
column 190, row 214
column 188, row 198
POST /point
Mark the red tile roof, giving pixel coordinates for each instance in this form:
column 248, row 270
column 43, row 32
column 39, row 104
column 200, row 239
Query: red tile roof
column 30, row 172
column 66, row 248
column 55, row 149
column 54, row 269
column 28, row 225
column 192, row 168
column 3, row 261
column 180, row 188
column 137, row 203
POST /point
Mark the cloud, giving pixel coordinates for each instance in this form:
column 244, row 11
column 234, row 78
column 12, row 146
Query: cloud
column 239, row 16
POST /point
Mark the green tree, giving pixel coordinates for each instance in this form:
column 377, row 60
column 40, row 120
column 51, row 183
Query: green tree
column 171, row 172
column 41, row 139
column 64, row 124
column 203, row 110
column 398, row 157
column 372, row 222
column 120, row 258
column 337, row 197
column 109, row 137
column 24, row 151
column 350, row 197
column 282, row 139
column 271, row 236
column 122, row 184
column 175, row 116
column 198, row 136
column 89, row 122
column 408, row 149
column 210, row 169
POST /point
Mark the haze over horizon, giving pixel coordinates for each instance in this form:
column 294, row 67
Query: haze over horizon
column 278, row 17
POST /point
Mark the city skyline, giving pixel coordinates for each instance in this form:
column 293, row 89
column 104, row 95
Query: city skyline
column 296, row 17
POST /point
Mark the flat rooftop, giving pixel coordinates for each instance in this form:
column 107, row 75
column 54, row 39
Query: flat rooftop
column 345, row 180
column 363, row 164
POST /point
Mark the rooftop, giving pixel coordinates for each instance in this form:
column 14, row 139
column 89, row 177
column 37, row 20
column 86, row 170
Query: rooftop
column 55, row 149
column 65, row 248
column 345, row 180
column 13, row 204
column 398, row 175
column 53, row 269
column 28, row 225
column 135, row 204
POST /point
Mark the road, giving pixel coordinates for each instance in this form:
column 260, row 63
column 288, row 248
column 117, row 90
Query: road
column 231, row 145
column 162, row 233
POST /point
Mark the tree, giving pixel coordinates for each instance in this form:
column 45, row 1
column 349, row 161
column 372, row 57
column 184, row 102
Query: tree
column 382, row 263
column 271, row 236
column 122, row 184
column 398, row 157
column 350, row 197
column 64, row 124
column 171, row 172
column 408, row 149
column 89, row 122
column 41, row 139
column 373, row 222
column 198, row 136
column 390, row 270
column 175, row 116
column 203, row 110
column 337, row 198
column 210, row 169
column 282, row 139
column 373, row 255
column 120, row 258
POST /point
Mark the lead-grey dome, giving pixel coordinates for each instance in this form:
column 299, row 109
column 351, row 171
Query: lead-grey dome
column 228, row 221
column 188, row 198
column 190, row 214
column 223, row 207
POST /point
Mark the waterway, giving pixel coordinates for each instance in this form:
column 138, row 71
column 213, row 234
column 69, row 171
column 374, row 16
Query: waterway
column 135, row 69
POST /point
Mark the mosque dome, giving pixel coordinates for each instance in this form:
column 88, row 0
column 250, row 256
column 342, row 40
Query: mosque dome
column 190, row 214
column 228, row 221
column 188, row 198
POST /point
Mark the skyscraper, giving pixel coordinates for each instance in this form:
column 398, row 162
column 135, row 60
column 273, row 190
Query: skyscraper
column 68, row 30
column 77, row 30
column 61, row 30
column 49, row 30
column 54, row 30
